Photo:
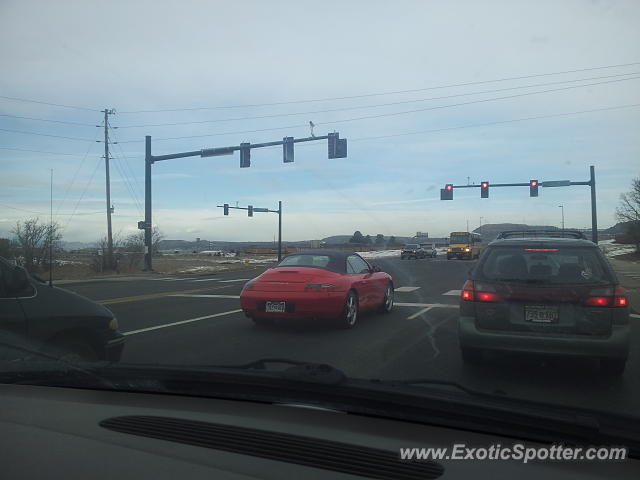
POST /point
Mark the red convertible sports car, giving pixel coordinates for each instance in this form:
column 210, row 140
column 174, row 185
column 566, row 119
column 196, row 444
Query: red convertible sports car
column 322, row 284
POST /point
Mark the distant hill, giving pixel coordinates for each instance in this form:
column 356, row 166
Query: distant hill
column 620, row 227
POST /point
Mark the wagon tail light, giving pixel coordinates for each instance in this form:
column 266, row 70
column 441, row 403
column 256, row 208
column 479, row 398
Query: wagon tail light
column 607, row 297
column 478, row 292
column 319, row 287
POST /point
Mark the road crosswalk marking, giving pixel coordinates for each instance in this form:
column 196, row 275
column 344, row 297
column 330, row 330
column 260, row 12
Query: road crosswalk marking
column 425, row 305
column 406, row 289
column 204, row 295
column 452, row 293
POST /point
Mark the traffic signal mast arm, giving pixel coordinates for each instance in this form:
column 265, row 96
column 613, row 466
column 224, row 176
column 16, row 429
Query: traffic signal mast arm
column 255, row 209
column 214, row 152
column 554, row 183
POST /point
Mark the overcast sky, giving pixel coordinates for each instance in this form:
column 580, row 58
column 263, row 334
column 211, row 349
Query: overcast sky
column 217, row 64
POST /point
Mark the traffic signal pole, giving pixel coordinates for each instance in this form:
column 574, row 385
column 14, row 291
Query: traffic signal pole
column 251, row 209
column 148, row 161
column 447, row 193
column 337, row 148
column 279, row 231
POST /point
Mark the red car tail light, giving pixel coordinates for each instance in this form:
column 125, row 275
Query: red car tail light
column 486, row 297
column 467, row 291
column 478, row 292
column 620, row 297
column 597, row 301
column 607, row 297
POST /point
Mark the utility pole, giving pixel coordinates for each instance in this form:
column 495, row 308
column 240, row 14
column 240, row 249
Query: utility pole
column 562, row 207
column 108, row 112
column 279, row 230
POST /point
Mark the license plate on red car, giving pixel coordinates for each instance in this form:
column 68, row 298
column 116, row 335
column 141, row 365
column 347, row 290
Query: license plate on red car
column 540, row 314
column 275, row 307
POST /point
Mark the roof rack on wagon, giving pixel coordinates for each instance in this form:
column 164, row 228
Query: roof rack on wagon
column 541, row 233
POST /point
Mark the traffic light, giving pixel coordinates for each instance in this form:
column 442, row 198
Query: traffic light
column 287, row 149
column 446, row 193
column 226, row 208
column 337, row 146
column 245, row 155
column 250, row 210
column 533, row 188
column 484, row 190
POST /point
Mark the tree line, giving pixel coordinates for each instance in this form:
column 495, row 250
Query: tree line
column 33, row 241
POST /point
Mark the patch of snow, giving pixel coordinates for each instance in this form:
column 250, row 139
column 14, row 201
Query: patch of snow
column 615, row 249
column 380, row 254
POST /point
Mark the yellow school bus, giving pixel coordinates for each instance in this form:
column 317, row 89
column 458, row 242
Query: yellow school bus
column 464, row 245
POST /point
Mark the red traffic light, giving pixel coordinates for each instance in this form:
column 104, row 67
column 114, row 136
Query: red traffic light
column 448, row 187
column 534, row 183
column 485, row 184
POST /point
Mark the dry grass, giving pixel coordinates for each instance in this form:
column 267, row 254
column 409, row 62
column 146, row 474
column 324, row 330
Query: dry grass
column 77, row 267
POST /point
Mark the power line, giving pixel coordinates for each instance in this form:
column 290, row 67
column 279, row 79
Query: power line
column 47, row 120
column 48, row 103
column 40, row 151
column 499, row 122
column 45, row 213
column 47, row 135
column 404, row 112
column 125, row 177
column 127, row 183
column 128, row 166
column 284, row 127
column 83, row 193
column 342, row 109
column 326, row 99
column 475, row 125
column 73, row 179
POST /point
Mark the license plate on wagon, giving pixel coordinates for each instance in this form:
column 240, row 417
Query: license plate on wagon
column 540, row 314
column 275, row 307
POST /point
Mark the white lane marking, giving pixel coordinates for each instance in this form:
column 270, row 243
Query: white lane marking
column 171, row 279
column 206, row 280
column 182, row 322
column 634, row 315
column 418, row 313
column 424, row 305
column 204, row 296
column 452, row 292
column 235, row 280
column 406, row 289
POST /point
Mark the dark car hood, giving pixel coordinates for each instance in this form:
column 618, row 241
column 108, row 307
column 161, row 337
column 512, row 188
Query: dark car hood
column 58, row 302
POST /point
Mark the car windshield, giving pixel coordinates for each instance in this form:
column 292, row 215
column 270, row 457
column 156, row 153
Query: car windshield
column 320, row 261
column 552, row 266
column 459, row 239
column 213, row 183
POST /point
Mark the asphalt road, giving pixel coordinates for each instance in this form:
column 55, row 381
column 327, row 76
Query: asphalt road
column 188, row 320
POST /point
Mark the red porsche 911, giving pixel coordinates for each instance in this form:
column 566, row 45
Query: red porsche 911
column 319, row 284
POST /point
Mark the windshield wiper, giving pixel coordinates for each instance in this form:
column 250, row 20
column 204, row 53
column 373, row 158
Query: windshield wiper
column 297, row 370
column 436, row 381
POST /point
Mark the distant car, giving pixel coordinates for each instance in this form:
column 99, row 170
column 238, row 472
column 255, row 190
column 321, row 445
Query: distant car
column 54, row 321
column 321, row 284
column 545, row 295
column 430, row 250
column 412, row 250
